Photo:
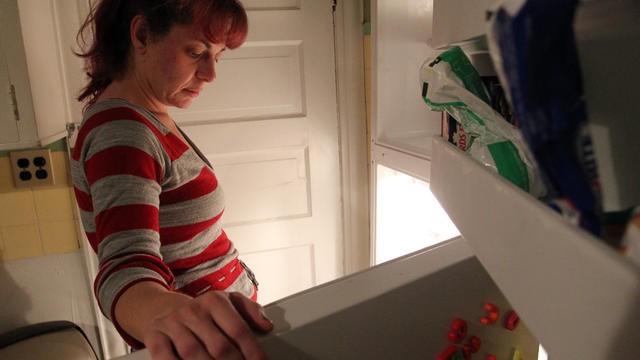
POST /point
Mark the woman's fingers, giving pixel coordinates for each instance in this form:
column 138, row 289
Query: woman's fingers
column 251, row 311
column 233, row 324
column 216, row 325
column 202, row 325
column 183, row 343
column 160, row 346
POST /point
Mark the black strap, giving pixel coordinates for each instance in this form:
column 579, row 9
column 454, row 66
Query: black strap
column 195, row 148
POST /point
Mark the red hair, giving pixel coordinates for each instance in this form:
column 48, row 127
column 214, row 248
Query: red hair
column 221, row 21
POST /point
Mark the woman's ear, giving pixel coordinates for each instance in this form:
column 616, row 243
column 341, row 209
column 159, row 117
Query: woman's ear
column 139, row 32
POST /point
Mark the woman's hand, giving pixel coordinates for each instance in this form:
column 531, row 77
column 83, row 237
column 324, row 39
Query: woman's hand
column 215, row 325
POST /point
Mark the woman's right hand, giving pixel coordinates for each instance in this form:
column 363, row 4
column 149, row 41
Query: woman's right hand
column 215, row 325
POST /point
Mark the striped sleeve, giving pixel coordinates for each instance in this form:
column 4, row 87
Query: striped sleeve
column 123, row 162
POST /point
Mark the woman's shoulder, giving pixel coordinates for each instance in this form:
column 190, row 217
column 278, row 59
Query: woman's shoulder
column 117, row 122
column 115, row 109
column 121, row 116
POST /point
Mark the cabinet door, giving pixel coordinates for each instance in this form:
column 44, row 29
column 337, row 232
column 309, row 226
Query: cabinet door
column 8, row 123
column 41, row 24
column 37, row 39
column 14, row 83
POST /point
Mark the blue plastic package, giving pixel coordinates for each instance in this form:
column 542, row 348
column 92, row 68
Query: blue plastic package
column 533, row 47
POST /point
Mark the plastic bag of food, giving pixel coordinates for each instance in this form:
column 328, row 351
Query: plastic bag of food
column 450, row 83
column 533, row 49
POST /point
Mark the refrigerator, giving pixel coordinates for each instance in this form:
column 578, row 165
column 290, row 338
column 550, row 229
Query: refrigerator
column 525, row 283
column 576, row 297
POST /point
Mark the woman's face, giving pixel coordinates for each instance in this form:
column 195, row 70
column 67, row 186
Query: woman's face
column 176, row 67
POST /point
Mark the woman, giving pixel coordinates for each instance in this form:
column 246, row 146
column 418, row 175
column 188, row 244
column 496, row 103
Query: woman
column 150, row 203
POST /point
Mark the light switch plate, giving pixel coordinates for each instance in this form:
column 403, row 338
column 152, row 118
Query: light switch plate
column 32, row 168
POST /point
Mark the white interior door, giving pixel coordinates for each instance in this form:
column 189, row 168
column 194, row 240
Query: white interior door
column 269, row 126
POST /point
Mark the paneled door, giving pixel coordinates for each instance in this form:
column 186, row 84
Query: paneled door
column 269, row 126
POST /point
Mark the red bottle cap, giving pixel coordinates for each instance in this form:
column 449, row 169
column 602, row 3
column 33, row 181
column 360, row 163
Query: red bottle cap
column 511, row 320
column 475, row 344
column 493, row 313
column 458, row 331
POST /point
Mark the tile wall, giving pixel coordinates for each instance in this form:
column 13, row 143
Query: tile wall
column 41, row 220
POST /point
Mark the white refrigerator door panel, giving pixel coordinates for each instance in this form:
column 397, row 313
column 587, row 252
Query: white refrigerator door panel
column 400, row 309
column 578, row 296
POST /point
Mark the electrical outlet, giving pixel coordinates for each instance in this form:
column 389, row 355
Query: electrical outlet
column 32, row 168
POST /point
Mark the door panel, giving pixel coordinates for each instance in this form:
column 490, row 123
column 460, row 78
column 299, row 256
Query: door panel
column 293, row 261
column 281, row 191
column 269, row 126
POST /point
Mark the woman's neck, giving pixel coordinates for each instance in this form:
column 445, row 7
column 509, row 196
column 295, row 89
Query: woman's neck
column 129, row 90
column 122, row 89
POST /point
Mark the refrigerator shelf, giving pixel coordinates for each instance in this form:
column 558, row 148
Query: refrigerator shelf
column 579, row 297
column 408, row 163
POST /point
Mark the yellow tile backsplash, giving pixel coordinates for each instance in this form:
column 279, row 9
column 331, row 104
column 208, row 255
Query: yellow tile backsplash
column 61, row 168
column 6, row 180
column 21, row 242
column 52, row 204
column 38, row 221
column 17, row 208
column 58, row 236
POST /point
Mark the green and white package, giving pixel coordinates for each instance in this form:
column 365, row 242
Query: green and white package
column 451, row 83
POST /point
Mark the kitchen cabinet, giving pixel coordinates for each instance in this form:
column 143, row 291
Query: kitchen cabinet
column 43, row 75
column 8, row 121
column 16, row 107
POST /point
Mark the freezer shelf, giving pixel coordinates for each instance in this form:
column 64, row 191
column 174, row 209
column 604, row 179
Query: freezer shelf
column 400, row 309
column 579, row 297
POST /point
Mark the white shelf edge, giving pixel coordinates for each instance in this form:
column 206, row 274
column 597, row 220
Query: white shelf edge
column 402, row 161
column 578, row 296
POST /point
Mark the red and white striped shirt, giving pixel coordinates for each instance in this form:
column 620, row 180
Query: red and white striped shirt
column 151, row 207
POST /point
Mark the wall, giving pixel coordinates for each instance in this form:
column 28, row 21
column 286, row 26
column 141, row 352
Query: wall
column 47, row 288
column 38, row 221
column 42, row 268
